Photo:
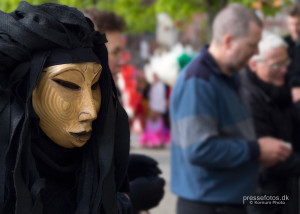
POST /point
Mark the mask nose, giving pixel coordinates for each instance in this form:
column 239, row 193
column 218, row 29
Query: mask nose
column 88, row 110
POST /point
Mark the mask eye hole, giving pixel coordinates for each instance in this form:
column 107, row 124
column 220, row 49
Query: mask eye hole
column 94, row 86
column 67, row 84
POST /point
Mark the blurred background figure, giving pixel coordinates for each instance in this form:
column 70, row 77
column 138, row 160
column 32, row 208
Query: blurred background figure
column 274, row 115
column 142, row 110
column 113, row 26
column 156, row 133
column 146, row 187
column 293, row 41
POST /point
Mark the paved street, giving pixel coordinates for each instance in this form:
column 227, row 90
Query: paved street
column 167, row 205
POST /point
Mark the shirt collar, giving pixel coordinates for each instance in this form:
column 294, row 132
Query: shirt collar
column 214, row 67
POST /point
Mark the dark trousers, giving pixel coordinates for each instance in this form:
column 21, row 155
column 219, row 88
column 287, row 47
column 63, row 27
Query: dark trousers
column 193, row 207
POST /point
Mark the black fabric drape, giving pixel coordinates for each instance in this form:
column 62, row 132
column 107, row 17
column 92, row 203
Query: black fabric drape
column 27, row 37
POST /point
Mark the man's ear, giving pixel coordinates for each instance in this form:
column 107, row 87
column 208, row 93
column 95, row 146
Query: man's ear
column 252, row 65
column 227, row 41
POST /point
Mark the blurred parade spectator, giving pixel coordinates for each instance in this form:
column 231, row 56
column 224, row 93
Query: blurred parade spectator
column 146, row 187
column 293, row 41
column 214, row 151
column 142, row 110
column 156, row 133
column 166, row 65
column 144, row 50
column 127, row 84
column 112, row 25
column 273, row 114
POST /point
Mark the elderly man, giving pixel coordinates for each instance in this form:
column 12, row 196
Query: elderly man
column 273, row 114
column 215, row 153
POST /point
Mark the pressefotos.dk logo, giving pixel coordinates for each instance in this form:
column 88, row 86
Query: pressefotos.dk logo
column 265, row 199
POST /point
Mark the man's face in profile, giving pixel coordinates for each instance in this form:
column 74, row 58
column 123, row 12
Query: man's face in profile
column 242, row 49
column 293, row 25
column 115, row 48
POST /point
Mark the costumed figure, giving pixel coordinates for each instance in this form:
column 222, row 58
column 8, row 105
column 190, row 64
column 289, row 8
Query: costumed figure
column 64, row 136
column 161, row 72
column 156, row 133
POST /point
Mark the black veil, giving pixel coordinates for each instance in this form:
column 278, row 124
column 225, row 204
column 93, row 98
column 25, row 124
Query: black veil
column 27, row 37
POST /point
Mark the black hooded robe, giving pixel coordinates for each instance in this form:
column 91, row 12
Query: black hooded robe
column 27, row 37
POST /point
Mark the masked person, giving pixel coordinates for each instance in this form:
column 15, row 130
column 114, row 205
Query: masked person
column 56, row 90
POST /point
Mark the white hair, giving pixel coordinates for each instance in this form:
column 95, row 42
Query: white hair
column 268, row 42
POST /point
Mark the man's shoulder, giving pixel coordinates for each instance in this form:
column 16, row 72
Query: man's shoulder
column 288, row 39
column 251, row 90
column 200, row 67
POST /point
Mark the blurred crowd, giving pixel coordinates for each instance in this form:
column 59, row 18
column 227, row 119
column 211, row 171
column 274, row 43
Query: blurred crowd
column 234, row 114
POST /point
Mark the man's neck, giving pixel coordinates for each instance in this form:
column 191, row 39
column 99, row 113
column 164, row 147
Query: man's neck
column 216, row 52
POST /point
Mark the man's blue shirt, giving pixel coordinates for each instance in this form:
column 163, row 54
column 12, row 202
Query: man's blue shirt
column 214, row 150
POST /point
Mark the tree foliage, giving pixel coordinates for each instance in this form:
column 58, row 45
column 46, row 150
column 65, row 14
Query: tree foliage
column 140, row 15
column 10, row 5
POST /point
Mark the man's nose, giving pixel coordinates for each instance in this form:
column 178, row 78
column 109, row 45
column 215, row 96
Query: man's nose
column 121, row 61
column 87, row 108
column 284, row 68
column 256, row 50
